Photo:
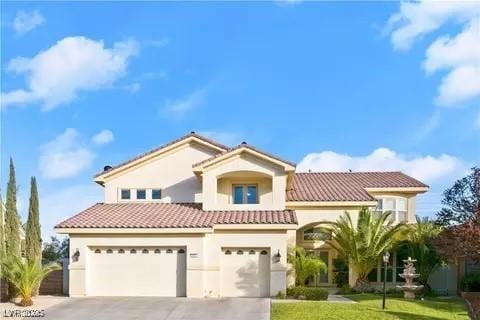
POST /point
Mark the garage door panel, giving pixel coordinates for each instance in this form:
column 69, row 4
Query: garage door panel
column 137, row 272
column 245, row 272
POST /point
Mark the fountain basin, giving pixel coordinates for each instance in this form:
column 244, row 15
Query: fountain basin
column 409, row 290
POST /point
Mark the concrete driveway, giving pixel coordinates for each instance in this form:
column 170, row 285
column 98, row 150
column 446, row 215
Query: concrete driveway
column 112, row 308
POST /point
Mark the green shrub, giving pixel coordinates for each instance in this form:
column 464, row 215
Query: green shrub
column 471, row 282
column 346, row 289
column 290, row 291
column 280, row 295
column 308, row 293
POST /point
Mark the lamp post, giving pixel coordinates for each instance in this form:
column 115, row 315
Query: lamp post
column 386, row 258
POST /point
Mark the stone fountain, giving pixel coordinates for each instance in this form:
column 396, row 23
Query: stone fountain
column 409, row 274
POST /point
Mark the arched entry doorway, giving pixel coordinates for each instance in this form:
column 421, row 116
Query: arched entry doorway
column 313, row 238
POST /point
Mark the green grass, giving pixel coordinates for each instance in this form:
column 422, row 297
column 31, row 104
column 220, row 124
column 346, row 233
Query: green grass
column 369, row 307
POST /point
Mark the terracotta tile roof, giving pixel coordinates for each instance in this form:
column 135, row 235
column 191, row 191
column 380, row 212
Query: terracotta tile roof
column 345, row 186
column 244, row 145
column 191, row 134
column 170, row 215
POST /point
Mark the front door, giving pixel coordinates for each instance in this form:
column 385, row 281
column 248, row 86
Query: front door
column 323, row 278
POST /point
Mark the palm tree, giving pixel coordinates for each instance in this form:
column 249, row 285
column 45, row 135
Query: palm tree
column 364, row 242
column 419, row 239
column 26, row 276
column 305, row 265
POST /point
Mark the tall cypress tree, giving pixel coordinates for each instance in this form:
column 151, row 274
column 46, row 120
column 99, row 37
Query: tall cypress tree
column 33, row 240
column 2, row 229
column 12, row 220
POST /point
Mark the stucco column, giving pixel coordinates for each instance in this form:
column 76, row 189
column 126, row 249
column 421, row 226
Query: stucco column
column 209, row 187
column 291, row 243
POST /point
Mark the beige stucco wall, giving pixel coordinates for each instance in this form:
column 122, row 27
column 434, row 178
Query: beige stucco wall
column 171, row 172
column 272, row 200
column 203, row 256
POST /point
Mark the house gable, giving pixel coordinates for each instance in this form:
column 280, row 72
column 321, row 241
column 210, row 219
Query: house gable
column 242, row 150
column 168, row 170
column 189, row 139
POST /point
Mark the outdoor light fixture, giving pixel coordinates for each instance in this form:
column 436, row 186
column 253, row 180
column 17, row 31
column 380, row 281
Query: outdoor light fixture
column 276, row 256
column 386, row 258
column 76, row 255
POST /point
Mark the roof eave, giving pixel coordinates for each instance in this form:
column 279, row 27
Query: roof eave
column 76, row 230
column 414, row 190
column 345, row 203
column 101, row 177
column 201, row 167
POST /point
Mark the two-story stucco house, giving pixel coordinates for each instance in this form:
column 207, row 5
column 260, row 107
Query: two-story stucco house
column 198, row 219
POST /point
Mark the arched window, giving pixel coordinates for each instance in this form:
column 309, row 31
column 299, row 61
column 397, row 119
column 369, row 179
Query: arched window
column 239, row 252
column 316, row 234
column 109, row 251
column 133, row 251
column 157, row 251
column 228, row 252
column 181, row 251
column 145, row 251
column 121, row 251
column 169, row 250
column 264, row 252
column 98, row 251
column 251, row 252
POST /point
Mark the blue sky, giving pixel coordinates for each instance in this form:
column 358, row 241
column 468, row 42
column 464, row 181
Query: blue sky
column 330, row 86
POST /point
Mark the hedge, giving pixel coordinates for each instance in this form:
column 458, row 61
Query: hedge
column 308, row 293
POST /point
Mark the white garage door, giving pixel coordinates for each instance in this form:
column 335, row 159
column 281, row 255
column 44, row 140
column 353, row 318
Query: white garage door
column 137, row 271
column 245, row 272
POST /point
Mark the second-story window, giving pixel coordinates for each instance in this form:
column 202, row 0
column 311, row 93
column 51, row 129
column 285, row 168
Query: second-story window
column 398, row 207
column 125, row 194
column 141, row 194
column 316, row 234
column 245, row 194
column 156, row 194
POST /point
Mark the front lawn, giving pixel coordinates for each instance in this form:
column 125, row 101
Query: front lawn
column 369, row 307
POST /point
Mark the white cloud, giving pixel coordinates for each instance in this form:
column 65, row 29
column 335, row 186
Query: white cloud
column 180, row 106
column 461, row 57
column 27, row 21
column 447, row 52
column 65, row 156
column 425, row 168
column 103, row 137
column 62, row 203
column 74, row 64
column 457, row 55
column 416, row 19
column 224, row 137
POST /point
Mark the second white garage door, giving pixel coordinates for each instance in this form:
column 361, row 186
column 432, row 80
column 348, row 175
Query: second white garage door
column 137, row 271
column 245, row 272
